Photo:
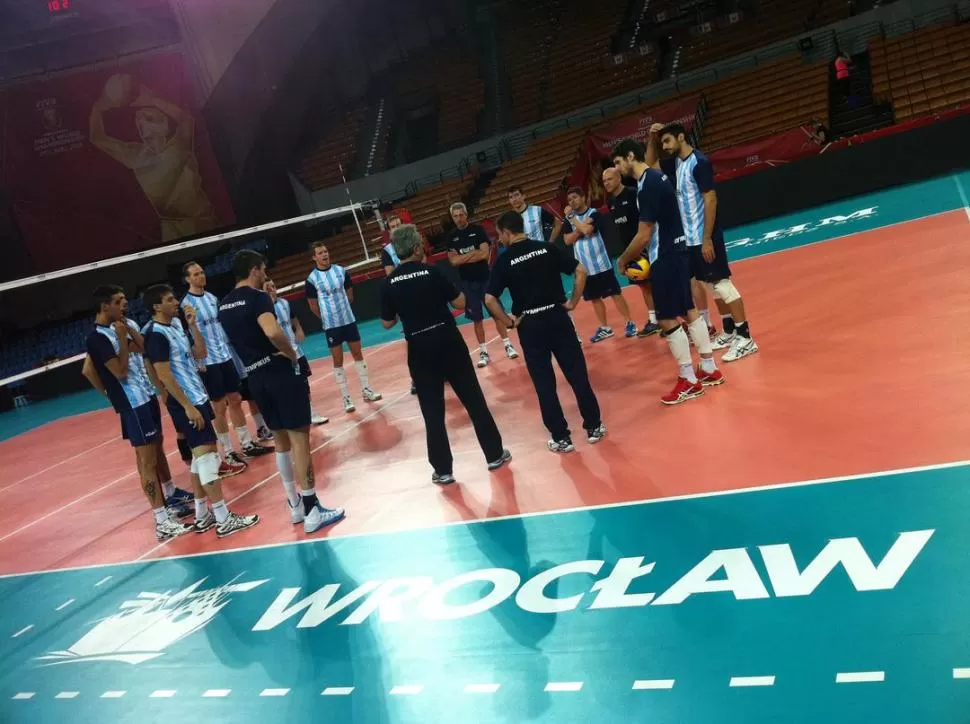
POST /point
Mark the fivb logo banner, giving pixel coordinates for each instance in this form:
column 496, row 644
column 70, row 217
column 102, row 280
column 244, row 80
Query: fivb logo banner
column 148, row 625
column 827, row 224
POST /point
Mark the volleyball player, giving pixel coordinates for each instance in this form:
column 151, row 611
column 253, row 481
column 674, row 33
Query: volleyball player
column 669, row 274
column 535, row 219
column 531, row 271
column 697, row 197
column 330, row 292
column 263, row 433
column 108, row 368
column 277, row 385
column 419, row 294
column 468, row 251
column 219, row 374
column 622, row 203
column 583, row 232
column 294, row 332
column 390, row 261
column 173, row 354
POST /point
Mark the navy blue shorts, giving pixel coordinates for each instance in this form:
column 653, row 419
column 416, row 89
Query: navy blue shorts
column 142, row 425
column 220, row 380
column 282, row 395
column 342, row 335
column 710, row 272
column 195, row 438
column 601, row 286
column 670, row 282
column 244, row 389
column 474, row 300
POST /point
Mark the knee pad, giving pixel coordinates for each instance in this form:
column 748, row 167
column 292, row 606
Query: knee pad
column 208, row 468
column 185, row 452
column 726, row 291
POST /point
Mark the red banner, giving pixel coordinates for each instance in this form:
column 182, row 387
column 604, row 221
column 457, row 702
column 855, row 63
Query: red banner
column 772, row 150
column 598, row 144
column 110, row 161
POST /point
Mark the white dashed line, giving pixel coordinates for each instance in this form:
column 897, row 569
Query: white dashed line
column 274, row 692
column 481, row 688
column 68, row 695
column 739, row 681
column 406, row 690
column 860, row 677
column 961, row 673
column 103, row 581
column 216, row 693
column 24, row 695
column 22, row 631
column 113, row 694
column 564, row 686
column 650, row 684
column 337, row 691
column 64, row 605
column 162, row 694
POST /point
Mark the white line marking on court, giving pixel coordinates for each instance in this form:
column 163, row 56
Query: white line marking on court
column 860, row 677
column 68, row 695
column 518, row 516
column 22, row 631
column 337, row 691
column 961, row 673
column 652, row 684
column 113, row 694
column 274, row 692
column 561, row 686
column 58, row 464
column 216, row 693
column 64, row 605
column 162, row 694
column 407, row 689
column 23, row 695
column 740, row 681
column 963, row 195
column 103, row 581
column 481, row 688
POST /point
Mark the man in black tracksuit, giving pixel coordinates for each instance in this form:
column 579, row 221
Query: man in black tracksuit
column 419, row 294
column 531, row 271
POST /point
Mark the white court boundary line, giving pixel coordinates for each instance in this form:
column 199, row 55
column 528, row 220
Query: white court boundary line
column 516, row 516
column 963, row 194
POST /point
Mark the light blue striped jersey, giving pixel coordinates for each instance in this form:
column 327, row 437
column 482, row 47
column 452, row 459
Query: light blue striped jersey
column 532, row 221
column 136, row 364
column 206, row 307
column 329, row 287
column 285, row 317
column 170, row 343
column 127, row 394
column 392, row 255
column 695, row 175
column 591, row 250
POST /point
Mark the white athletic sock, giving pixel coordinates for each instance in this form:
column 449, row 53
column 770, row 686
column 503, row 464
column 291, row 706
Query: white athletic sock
column 168, row 489
column 161, row 515
column 707, row 364
column 680, row 349
column 652, row 317
column 220, row 511
column 362, row 374
column 201, row 508
column 225, row 441
column 284, row 463
column 700, row 335
column 706, row 314
column 341, row 377
column 483, row 348
column 242, row 432
column 687, row 372
column 258, row 419
column 506, row 341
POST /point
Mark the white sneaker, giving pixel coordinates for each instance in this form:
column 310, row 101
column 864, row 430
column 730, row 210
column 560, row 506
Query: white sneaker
column 349, row 405
column 169, row 528
column 742, row 347
column 371, row 396
column 723, row 340
column 510, row 351
column 320, row 517
column 296, row 512
column 235, row 523
column 319, row 419
column 483, row 359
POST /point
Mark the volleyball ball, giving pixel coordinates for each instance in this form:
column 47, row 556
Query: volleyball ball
column 639, row 270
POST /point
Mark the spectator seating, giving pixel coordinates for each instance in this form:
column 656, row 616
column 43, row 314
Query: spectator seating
column 320, row 168
column 923, row 72
column 528, row 31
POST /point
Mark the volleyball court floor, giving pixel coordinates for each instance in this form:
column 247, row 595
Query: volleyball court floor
column 790, row 547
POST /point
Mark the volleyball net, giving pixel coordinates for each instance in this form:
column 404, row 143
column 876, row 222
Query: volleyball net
column 45, row 319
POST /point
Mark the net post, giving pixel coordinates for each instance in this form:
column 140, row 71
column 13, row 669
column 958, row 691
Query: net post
column 360, row 230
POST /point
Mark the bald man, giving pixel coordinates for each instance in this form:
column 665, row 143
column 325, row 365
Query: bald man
column 623, row 208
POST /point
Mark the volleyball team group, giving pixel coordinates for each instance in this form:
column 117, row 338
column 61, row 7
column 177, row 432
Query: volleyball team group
column 204, row 358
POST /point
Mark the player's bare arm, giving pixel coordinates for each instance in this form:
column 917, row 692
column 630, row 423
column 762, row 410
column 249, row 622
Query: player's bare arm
column 635, row 249
column 579, row 284
column 87, row 369
column 163, row 370
column 710, row 215
column 199, row 350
